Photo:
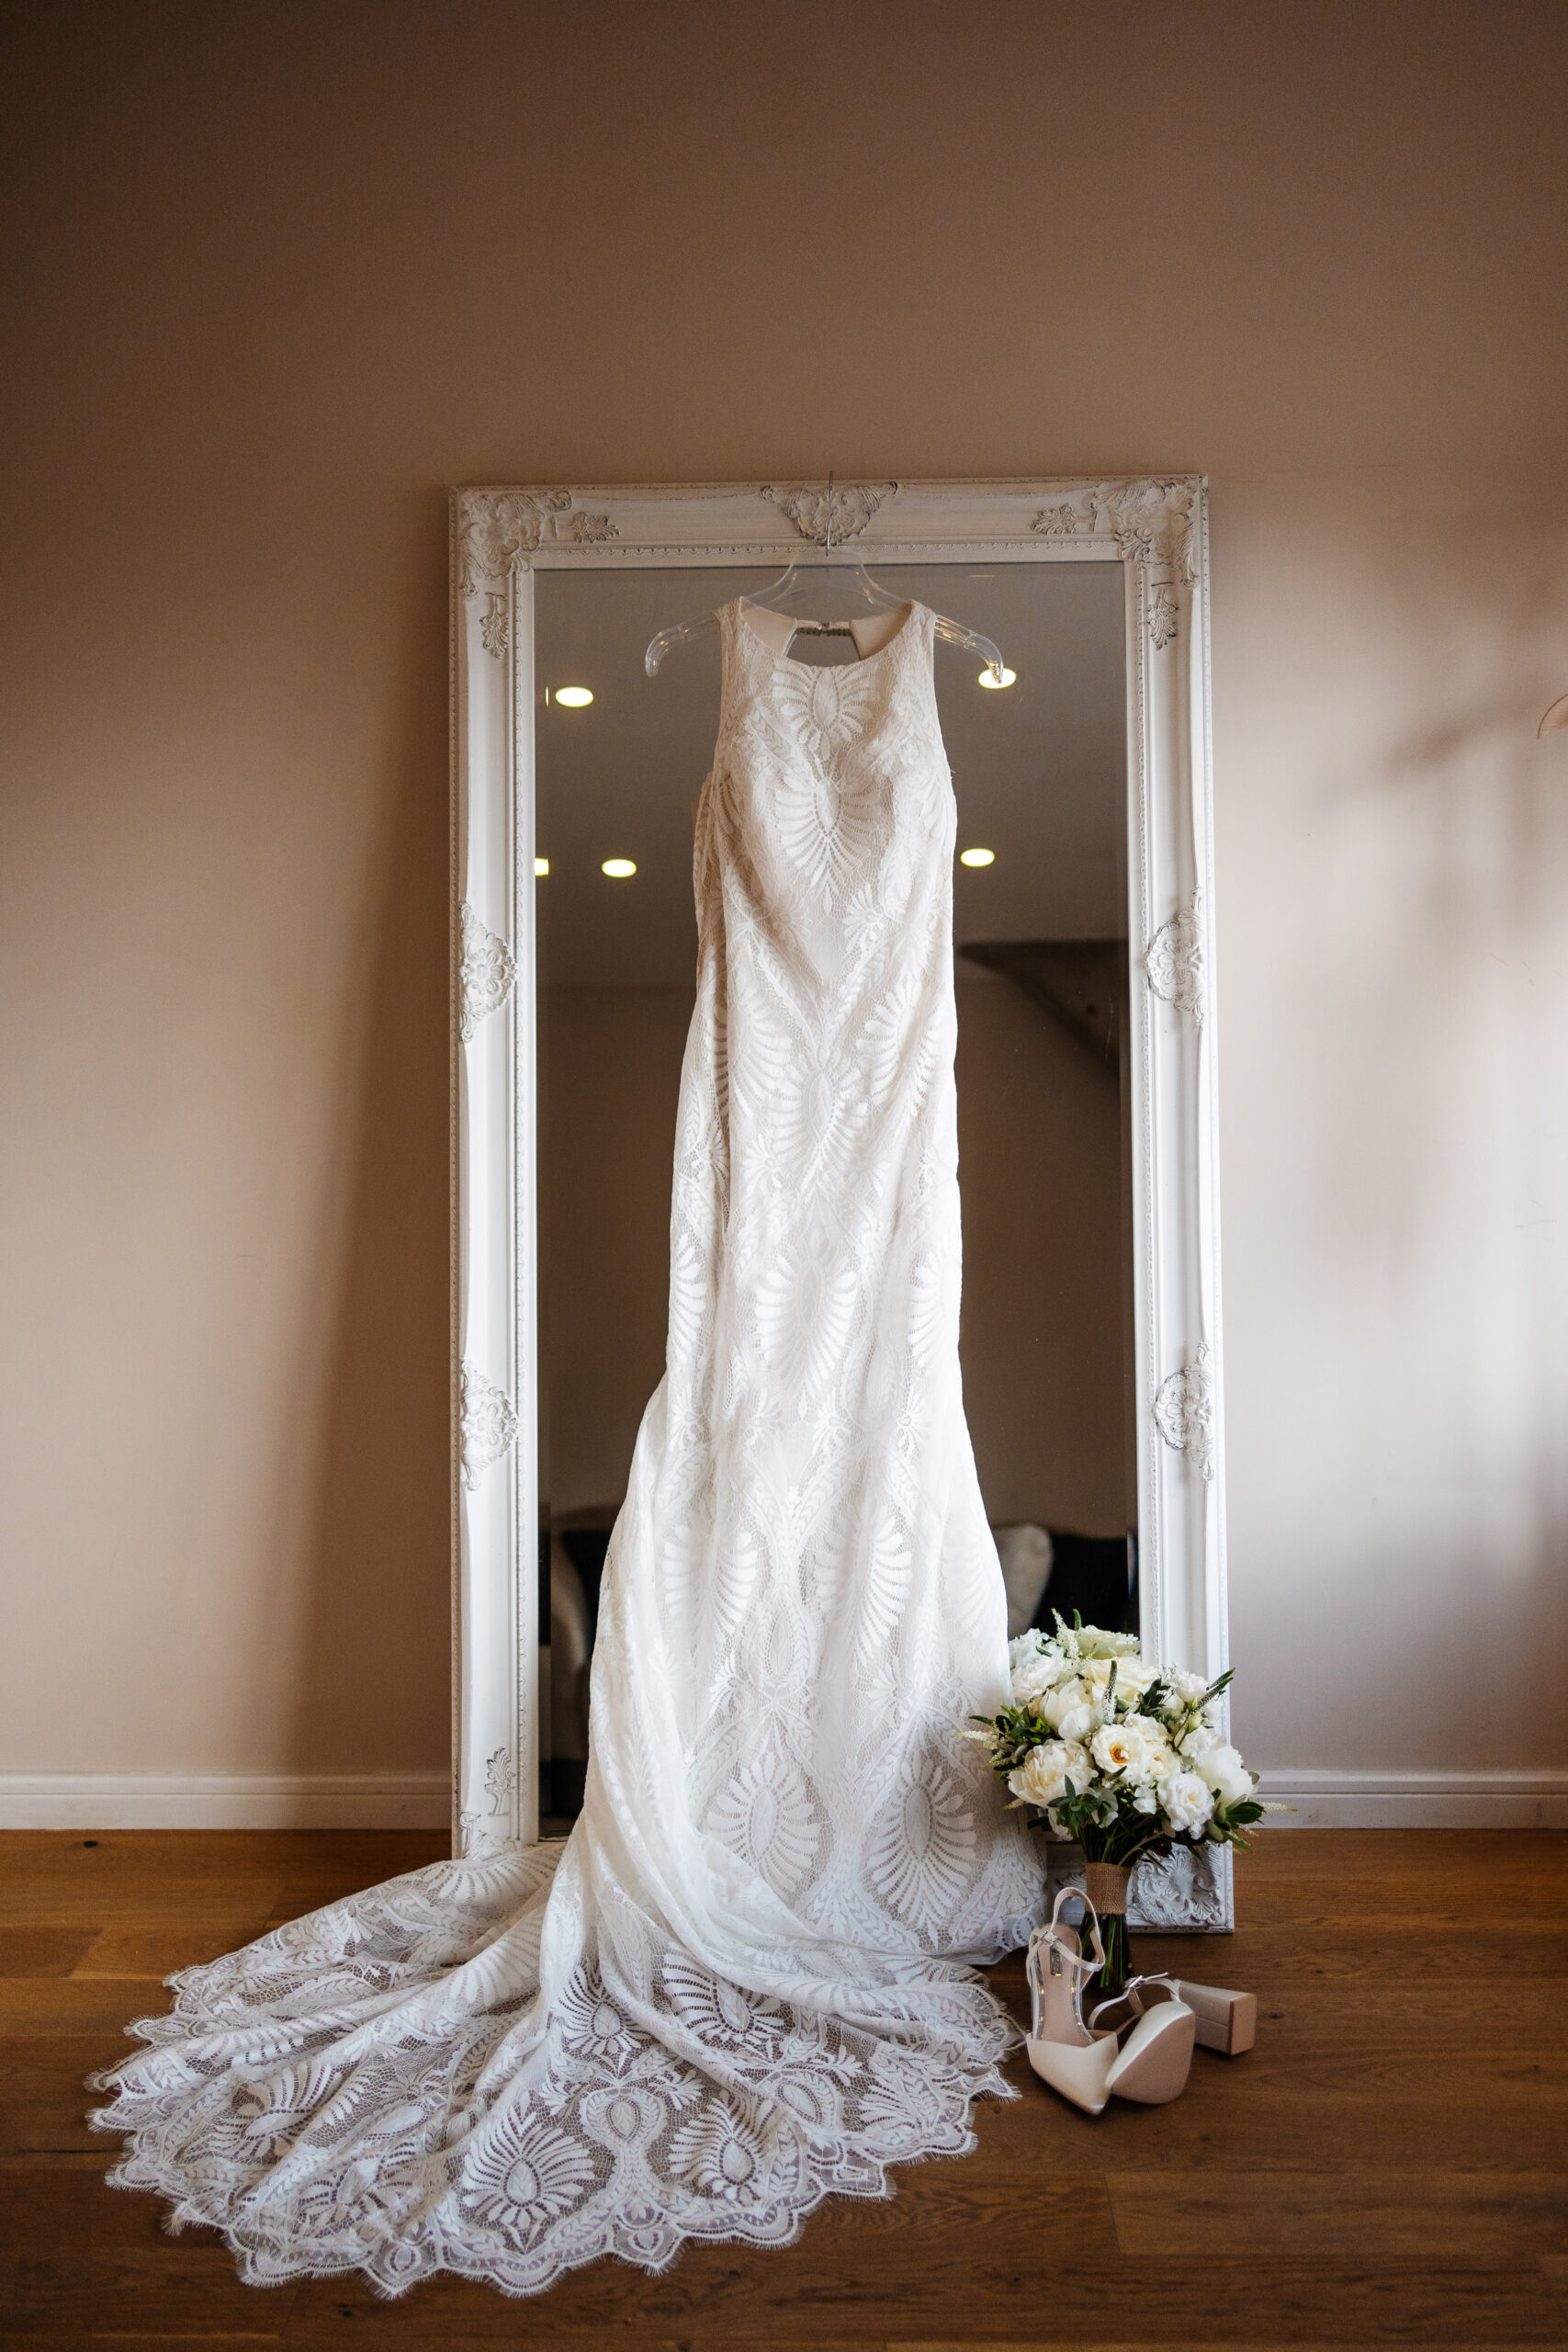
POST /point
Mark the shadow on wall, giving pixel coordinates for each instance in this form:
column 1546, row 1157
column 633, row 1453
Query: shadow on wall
column 380, row 1520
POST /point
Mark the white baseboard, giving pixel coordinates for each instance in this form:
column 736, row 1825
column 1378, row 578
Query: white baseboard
column 1319, row 1800
column 1366, row 1800
column 225, row 1800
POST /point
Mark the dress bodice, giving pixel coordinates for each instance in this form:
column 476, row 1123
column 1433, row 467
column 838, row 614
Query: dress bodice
column 831, row 790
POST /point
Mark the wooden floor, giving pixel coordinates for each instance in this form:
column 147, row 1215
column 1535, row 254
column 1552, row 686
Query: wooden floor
column 1388, row 2166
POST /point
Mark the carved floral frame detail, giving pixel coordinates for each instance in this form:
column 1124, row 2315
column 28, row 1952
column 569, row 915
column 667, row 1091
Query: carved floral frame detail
column 1155, row 529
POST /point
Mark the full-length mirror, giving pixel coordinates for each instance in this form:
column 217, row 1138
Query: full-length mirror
column 1084, row 1052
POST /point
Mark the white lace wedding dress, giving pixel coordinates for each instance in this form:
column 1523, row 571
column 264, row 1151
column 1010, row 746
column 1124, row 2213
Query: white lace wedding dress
column 742, row 1983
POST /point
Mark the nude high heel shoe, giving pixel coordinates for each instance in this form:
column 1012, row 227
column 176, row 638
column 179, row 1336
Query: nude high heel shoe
column 1150, row 2065
column 1157, row 2054
column 1062, row 2050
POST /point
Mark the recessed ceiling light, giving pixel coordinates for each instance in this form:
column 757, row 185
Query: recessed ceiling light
column 541, row 865
column 618, row 869
column 977, row 857
column 990, row 678
column 575, row 697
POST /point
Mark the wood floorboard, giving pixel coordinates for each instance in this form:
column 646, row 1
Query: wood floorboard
column 141, row 2339
column 1554, row 2270
column 178, row 2287
column 42, row 1952
column 1455, row 2220
column 62, row 2204
column 720, row 2297
column 43, row 2108
column 1389, row 2166
column 34, row 2009
column 151, row 1953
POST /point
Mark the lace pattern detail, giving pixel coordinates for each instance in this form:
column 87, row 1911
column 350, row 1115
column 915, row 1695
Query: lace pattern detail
column 745, row 1982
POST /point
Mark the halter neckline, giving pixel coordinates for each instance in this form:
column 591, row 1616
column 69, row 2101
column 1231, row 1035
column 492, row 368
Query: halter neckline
column 911, row 609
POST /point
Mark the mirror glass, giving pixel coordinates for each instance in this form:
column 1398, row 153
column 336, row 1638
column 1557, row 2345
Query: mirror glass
column 1042, row 970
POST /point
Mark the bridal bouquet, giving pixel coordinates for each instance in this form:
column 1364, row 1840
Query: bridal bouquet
column 1124, row 1759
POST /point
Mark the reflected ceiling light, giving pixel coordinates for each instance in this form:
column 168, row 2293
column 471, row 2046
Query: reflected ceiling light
column 541, row 865
column 990, row 678
column 575, row 697
column 618, row 869
column 977, row 857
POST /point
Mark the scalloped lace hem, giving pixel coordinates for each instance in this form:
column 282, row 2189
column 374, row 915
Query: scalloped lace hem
column 405, row 2084
column 393, row 2270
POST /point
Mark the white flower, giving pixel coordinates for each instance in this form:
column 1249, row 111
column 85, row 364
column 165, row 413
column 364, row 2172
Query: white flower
column 1032, row 1677
column 1222, row 1768
column 1145, row 1800
column 1132, row 1748
column 1070, row 1710
column 1186, row 1804
column 1026, row 1645
column 1042, row 1778
column 1132, row 1679
column 1094, row 1642
column 1188, row 1688
column 1200, row 1740
column 1071, row 1693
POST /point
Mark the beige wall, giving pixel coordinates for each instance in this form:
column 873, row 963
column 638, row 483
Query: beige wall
column 282, row 273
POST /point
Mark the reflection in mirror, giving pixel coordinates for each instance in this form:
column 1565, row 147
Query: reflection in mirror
column 1041, row 967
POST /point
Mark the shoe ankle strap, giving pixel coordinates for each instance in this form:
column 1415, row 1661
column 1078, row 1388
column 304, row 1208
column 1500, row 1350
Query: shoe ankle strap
column 1131, row 1995
column 1050, row 1935
column 1048, row 1938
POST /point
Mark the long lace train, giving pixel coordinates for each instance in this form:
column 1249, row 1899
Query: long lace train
column 373, row 2089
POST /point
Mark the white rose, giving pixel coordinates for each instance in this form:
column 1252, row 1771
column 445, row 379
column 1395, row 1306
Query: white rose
column 1069, row 1710
column 1132, row 1679
column 1188, row 1688
column 1042, row 1778
column 1186, row 1803
column 1131, row 1749
column 1063, row 1699
column 1224, row 1773
column 1131, row 1682
column 1095, row 1641
column 1026, row 1645
column 1032, row 1677
column 1200, row 1740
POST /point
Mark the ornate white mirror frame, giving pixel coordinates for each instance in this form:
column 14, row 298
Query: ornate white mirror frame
column 1156, row 529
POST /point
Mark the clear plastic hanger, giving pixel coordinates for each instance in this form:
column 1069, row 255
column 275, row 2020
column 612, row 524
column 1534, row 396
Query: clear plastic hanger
column 797, row 582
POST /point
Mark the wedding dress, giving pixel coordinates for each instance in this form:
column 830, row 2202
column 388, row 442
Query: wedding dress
column 744, row 1982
